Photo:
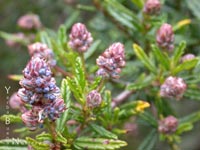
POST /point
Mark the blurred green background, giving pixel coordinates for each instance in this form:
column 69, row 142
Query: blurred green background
column 55, row 12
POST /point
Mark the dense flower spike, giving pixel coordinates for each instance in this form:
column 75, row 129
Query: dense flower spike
column 29, row 21
column 187, row 57
column 152, row 7
column 80, row 38
column 168, row 125
column 165, row 37
column 111, row 61
column 41, row 50
column 94, row 99
column 40, row 91
column 173, row 87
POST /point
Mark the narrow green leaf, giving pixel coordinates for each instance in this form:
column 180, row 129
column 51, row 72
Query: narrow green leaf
column 86, row 7
column 178, row 53
column 92, row 49
column 139, row 3
column 37, row 145
column 15, row 77
column 132, row 108
column 144, row 58
column 149, row 119
column 194, row 6
column 98, row 143
column 13, row 142
column 61, row 138
column 65, row 90
column 123, row 10
column 120, row 18
column 187, row 65
column 193, row 94
column 76, row 90
column 80, row 74
column 95, row 83
column 43, row 137
column 192, row 118
column 103, row 132
column 142, row 82
column 62, row 36
column 161, row 57
column 44, row 38
column 11, row 118
column 184, row 127
column 71, row 19
column 149, row 142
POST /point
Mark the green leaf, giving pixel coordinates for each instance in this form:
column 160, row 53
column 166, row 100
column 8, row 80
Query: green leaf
column 139, row 3
column 103, row 132
column 120, row 17
column 13, row 144
column 132, row 108
column 15, row 77
column 149, row 119
column 142, row 82
column 98, row 143
column 194, row 6
column 37, row 145
column 62, row 36
column 149, row 142
column 193, row 94
column 80, row 74
column 123, row 14
column 65, row 90
column 144, row 58
column 92, row 49
column 71, row 19
column 178, row 53
column 61, row 138
column 76, row 89
column 192, row 118
column 86, row 7
column 187, row 65
column 44, row 38
column 95, row 83
column 184, row 127
column 161, row 57
column 43, row 137
column 10, row 118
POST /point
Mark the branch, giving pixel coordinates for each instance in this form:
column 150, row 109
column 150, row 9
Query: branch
column 121, row 98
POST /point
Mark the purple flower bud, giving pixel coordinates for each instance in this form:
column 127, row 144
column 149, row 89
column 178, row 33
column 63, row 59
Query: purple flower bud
column 111, row 61
column 54, row 110
column 12, row 43
column 152, row 7
column 168, row 125
column 80, row 38
column 187, row 57
column 29, row 21
column 17, row 103
column 165, row 37
column 41, row 50
column 173, row 87
column 30, row 120
column 93, row 99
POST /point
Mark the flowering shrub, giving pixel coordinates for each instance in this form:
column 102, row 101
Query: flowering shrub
column 77, row 94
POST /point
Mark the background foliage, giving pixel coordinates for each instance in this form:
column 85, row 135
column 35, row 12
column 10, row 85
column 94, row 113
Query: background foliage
column 119, row 21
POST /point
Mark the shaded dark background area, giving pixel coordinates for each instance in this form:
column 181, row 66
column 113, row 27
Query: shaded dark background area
column 55, row 12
